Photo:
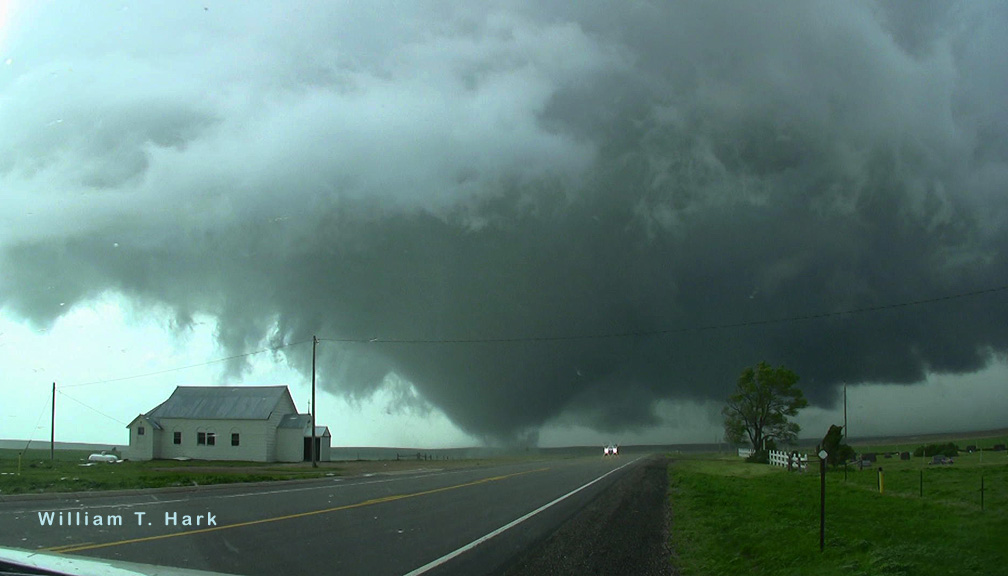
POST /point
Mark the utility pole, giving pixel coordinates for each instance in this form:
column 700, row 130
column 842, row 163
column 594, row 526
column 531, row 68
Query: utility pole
column 314, row 460
column 845, row 431
column 822, row 499
column 52, row 427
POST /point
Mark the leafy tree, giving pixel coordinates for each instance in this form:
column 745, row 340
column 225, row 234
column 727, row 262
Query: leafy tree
column 759, row 410
column 836, row 450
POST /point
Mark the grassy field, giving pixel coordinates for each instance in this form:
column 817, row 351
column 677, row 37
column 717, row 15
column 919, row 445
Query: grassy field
column 66, row 473
column 901, row 445
column 730, row 517
column 958, row 483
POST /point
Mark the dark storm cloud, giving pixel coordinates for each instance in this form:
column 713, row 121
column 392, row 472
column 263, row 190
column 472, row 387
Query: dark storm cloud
column 516, row 173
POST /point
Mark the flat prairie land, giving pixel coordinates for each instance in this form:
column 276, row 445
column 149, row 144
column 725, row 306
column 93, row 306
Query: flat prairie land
column 732, row 517
column 70, row 471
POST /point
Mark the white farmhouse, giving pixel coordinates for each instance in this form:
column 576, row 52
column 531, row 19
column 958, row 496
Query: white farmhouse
column 254, row 423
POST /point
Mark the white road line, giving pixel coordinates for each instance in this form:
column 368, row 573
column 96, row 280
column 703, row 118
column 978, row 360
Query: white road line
column 82, row 505
column 340, row 483
column 435, row 563
column 336, row 483
column 95, row 507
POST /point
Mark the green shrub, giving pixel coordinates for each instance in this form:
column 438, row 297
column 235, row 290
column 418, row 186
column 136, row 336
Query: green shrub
column 950, row 450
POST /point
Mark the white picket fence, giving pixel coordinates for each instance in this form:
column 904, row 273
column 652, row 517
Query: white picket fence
column 778, row 458
column 798, row 462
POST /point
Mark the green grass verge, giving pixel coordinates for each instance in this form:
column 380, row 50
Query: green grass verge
column 66, row 473
column 729, row 517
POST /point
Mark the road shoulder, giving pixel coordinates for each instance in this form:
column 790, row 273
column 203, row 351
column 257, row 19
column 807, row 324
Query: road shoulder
column 624, row 530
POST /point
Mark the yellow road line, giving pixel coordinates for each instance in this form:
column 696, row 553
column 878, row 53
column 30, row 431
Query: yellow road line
column 64, row 546
column 373, row 501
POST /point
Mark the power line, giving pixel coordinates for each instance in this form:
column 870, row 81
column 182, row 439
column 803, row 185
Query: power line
column 207, row 363
column 31, row 436
column 569, row 337
column 667, row 331
column 92, row 408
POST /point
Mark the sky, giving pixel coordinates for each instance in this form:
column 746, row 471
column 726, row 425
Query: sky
column 507, row 224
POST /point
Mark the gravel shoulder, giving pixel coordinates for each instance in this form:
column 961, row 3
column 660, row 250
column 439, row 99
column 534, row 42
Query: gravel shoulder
column 622, row 531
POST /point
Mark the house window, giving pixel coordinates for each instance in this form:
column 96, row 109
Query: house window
column 211, row 439
column 201, row 438
column 177, row 438
column 140, row 430
column 234, row 438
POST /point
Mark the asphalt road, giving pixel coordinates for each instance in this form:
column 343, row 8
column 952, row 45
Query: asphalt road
column 461, row 521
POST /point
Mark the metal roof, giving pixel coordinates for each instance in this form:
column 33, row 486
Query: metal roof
column 221, row 402
column 302, row 421
column 153, row 422
column 295, row 421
